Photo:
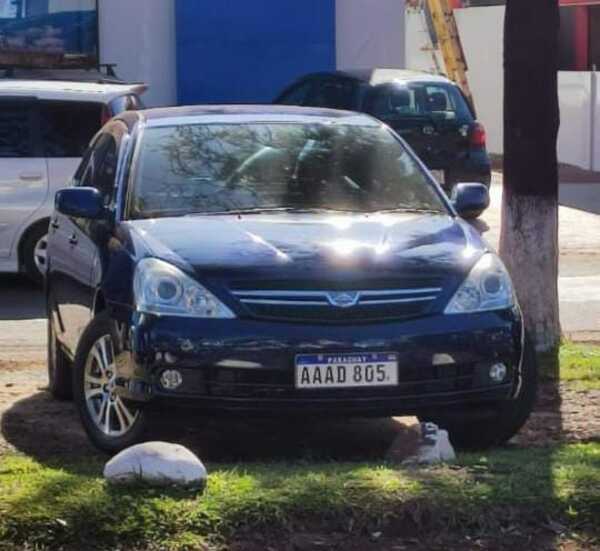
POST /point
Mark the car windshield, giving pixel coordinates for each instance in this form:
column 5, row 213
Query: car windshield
column 232, row 168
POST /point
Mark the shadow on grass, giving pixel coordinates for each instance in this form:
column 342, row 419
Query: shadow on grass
column 45, row 429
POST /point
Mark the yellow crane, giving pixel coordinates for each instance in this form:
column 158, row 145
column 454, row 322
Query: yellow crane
column 446, row 30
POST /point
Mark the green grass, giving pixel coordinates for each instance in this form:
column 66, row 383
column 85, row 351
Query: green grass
column 51, row 505
column 580, row 365
column 48, row 505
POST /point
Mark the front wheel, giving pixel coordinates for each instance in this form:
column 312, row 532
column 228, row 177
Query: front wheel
column 111, row 422
column 476, row 429
column 35, row 254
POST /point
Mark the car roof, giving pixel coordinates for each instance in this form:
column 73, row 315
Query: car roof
column 169, row 116
column 68, row 90
column 383, row 75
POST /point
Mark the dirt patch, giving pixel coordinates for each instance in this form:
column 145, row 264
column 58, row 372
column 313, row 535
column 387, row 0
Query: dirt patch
column 32, row 422
column 540, row 540
column 570, row 415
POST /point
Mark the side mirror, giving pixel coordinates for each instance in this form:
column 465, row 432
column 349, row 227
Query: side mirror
column 80, row 202
column 470, row 200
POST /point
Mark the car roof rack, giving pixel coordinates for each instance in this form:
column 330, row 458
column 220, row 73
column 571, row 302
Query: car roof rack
column 103, row 73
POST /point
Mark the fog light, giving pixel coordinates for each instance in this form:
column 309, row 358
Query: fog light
column 171, row 379
column 498, row 373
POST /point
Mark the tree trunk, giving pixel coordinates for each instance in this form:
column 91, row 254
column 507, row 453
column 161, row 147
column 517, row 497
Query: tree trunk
column 529, row 234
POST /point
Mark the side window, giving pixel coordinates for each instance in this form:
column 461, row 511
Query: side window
column 335, row 94
column 99, row 167
column 66, row 127
column 81, row 178
column 297, row 95
column 17, row 123
column 437, row 99
column 107, row 170
column 387, row 102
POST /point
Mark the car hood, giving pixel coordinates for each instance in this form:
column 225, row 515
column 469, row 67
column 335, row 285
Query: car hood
column 309, row 246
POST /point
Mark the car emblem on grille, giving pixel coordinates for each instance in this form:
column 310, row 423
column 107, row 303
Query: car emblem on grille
column 343, row 299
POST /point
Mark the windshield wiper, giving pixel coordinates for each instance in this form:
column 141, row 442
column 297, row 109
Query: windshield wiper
column 254, row 210
column 261, row 210
column 409, row 209
column 298, row 210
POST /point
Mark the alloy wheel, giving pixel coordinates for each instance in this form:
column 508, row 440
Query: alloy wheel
column 109, row 412
column 40, row 254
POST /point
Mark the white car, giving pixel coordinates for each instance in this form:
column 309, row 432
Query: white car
column 45, row 126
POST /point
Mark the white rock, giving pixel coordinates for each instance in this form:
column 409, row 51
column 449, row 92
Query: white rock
column 435, row 446
column 157, row 463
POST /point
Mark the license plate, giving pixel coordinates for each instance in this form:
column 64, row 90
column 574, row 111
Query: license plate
column 439, row 176
column 346, row 370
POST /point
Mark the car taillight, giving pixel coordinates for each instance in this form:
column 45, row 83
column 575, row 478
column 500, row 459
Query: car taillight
column 106, row 116
column 477, row 137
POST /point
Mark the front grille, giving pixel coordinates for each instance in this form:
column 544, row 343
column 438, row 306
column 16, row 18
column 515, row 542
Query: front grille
column 279, row 383
column 339, row 305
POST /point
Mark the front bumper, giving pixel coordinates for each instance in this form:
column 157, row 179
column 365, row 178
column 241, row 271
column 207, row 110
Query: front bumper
column 248, row 366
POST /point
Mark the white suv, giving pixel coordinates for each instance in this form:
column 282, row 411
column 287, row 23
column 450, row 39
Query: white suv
column 45, row 126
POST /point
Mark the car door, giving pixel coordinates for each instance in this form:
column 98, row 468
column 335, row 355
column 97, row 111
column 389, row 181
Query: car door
column 23, row 172
column 74, row 243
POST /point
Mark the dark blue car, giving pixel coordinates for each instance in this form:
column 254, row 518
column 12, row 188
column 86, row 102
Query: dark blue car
column 276, row 261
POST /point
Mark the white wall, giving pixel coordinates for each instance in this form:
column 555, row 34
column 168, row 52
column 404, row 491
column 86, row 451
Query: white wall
column 481, row 33
column 139, row 36
column 575, row 92
column 370, row 33
column 419, row 52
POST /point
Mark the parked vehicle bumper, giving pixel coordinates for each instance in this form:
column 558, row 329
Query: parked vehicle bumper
column 249, row 366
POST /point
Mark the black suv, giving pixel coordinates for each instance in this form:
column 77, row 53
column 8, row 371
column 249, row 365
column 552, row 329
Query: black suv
column 429, row 111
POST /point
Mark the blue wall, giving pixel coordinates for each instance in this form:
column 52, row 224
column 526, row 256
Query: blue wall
column 246, row 51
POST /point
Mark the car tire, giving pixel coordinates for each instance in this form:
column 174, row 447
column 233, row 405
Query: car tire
column 60, row 378
column 475, row 429
column 34, row 253
column 111, row 423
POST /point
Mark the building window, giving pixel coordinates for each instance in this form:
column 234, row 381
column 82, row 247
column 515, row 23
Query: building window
column 48, row 33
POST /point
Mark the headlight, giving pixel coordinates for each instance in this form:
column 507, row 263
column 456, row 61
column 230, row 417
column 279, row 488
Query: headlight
column 160, row 288
column 487, row 287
